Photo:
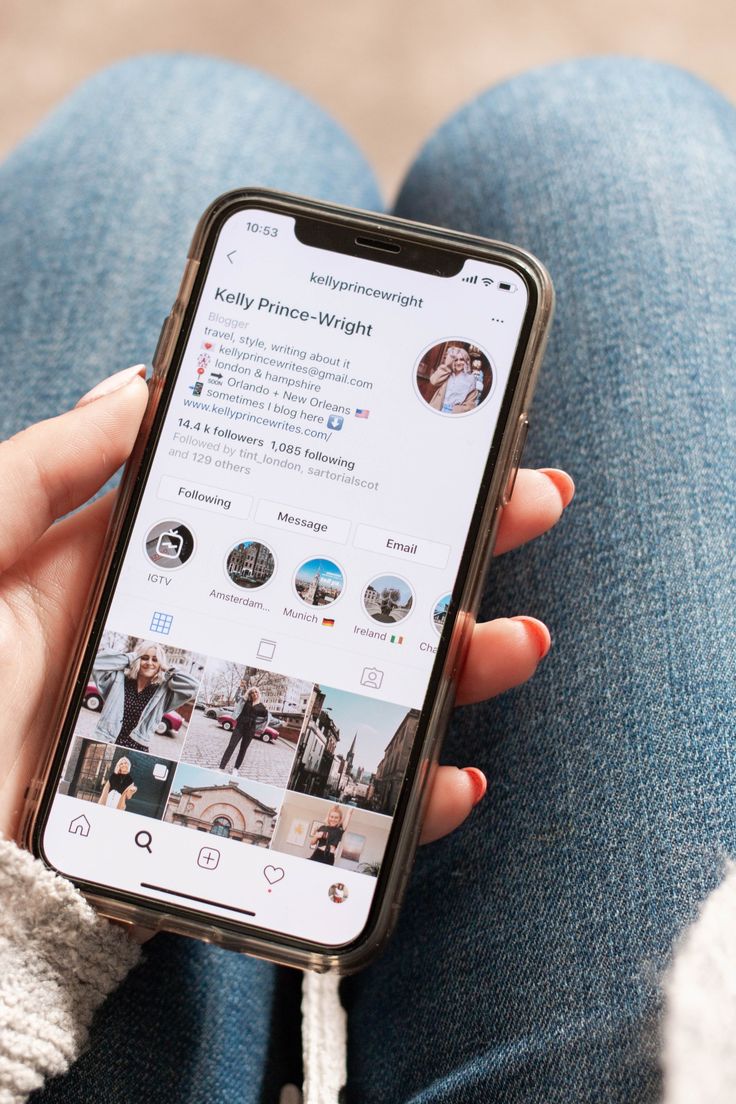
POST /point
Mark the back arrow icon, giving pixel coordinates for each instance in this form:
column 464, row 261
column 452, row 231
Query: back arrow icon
column 231, row 255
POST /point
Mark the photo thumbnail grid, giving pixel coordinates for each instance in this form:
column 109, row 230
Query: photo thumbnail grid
column 240, row 752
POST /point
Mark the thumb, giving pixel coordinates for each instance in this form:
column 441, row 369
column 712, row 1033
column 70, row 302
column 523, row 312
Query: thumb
column 54, row 466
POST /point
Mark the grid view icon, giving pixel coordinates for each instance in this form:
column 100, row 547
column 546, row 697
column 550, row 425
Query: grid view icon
column 161, row 623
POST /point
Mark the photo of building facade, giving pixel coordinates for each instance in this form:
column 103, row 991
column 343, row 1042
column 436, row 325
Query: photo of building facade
column 318, row 769
column 202, row 801
column 250, row 564
column 344, row 740
column 391, row 771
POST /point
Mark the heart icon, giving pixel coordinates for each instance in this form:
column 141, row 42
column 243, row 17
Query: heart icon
column 273, row 874
column 206, row 344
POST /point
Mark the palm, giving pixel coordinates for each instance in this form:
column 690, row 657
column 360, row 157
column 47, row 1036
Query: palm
column 46, row 570
column 42, row 598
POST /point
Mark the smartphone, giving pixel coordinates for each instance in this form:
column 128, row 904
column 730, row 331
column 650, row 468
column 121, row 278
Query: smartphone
column 247, row 735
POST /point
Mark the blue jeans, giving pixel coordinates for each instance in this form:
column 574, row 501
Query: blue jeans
column 527, row 964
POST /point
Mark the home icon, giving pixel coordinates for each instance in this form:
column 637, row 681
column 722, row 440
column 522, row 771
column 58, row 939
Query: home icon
column 79, row 826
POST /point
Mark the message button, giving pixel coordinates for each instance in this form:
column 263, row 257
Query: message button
column 303, row 521
column 401, row 545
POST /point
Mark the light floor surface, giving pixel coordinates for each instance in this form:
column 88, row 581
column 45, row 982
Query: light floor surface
column 388, row 70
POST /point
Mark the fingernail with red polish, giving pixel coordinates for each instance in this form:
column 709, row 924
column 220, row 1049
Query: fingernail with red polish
column 539, row 631
column 562, row 481
column 113, row 383
column 478, row 781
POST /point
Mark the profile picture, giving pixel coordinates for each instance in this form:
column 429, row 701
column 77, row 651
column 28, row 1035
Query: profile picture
column 439, row 613
column 388, row 599
column 169, row 544
column 140, row 694
column 319, row 582
column 454, row 377
column 250, row 564
column 338, row 893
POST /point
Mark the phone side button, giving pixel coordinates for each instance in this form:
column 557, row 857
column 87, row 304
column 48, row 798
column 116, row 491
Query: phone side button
column 516, row 454
column 162, row 338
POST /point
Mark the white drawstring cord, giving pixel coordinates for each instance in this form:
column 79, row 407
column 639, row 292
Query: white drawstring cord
column 324, row 1038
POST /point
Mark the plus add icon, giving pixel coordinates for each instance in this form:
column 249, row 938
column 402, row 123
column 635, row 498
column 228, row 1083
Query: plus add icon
column 208, row 858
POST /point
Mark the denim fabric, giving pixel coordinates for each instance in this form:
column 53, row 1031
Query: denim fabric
column 527, row 962
column 527, row 965
column 98, row 206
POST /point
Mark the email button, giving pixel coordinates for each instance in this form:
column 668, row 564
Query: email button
column 402, row 546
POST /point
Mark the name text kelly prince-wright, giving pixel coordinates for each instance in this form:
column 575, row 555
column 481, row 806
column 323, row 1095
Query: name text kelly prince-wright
column 348, row 326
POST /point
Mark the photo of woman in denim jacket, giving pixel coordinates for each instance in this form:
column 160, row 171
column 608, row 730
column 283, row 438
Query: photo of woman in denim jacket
column 138, row 688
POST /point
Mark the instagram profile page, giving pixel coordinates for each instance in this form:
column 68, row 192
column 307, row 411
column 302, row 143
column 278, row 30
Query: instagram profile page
column 257, row 688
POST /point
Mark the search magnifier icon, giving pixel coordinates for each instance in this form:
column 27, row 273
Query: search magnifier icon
column 144, row 839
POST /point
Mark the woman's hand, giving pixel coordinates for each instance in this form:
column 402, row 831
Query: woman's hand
column 46, row 572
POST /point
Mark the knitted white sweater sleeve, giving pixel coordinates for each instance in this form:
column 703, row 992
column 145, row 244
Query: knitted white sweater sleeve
column 58, row 961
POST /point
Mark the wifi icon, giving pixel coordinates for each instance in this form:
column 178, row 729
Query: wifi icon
column 486, row 281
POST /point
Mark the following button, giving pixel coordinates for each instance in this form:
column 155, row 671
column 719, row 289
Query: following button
column 205, row 498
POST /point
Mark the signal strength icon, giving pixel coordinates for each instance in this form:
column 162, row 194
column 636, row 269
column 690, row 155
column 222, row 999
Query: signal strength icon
column 485, row 280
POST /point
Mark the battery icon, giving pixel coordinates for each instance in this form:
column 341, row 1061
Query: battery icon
column 505, row 286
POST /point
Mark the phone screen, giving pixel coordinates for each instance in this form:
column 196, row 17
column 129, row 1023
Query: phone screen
column 256, row 688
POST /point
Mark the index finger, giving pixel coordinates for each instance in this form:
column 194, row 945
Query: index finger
column 540, row 496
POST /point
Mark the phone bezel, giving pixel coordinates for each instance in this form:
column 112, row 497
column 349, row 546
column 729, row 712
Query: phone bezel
column 427, row 240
